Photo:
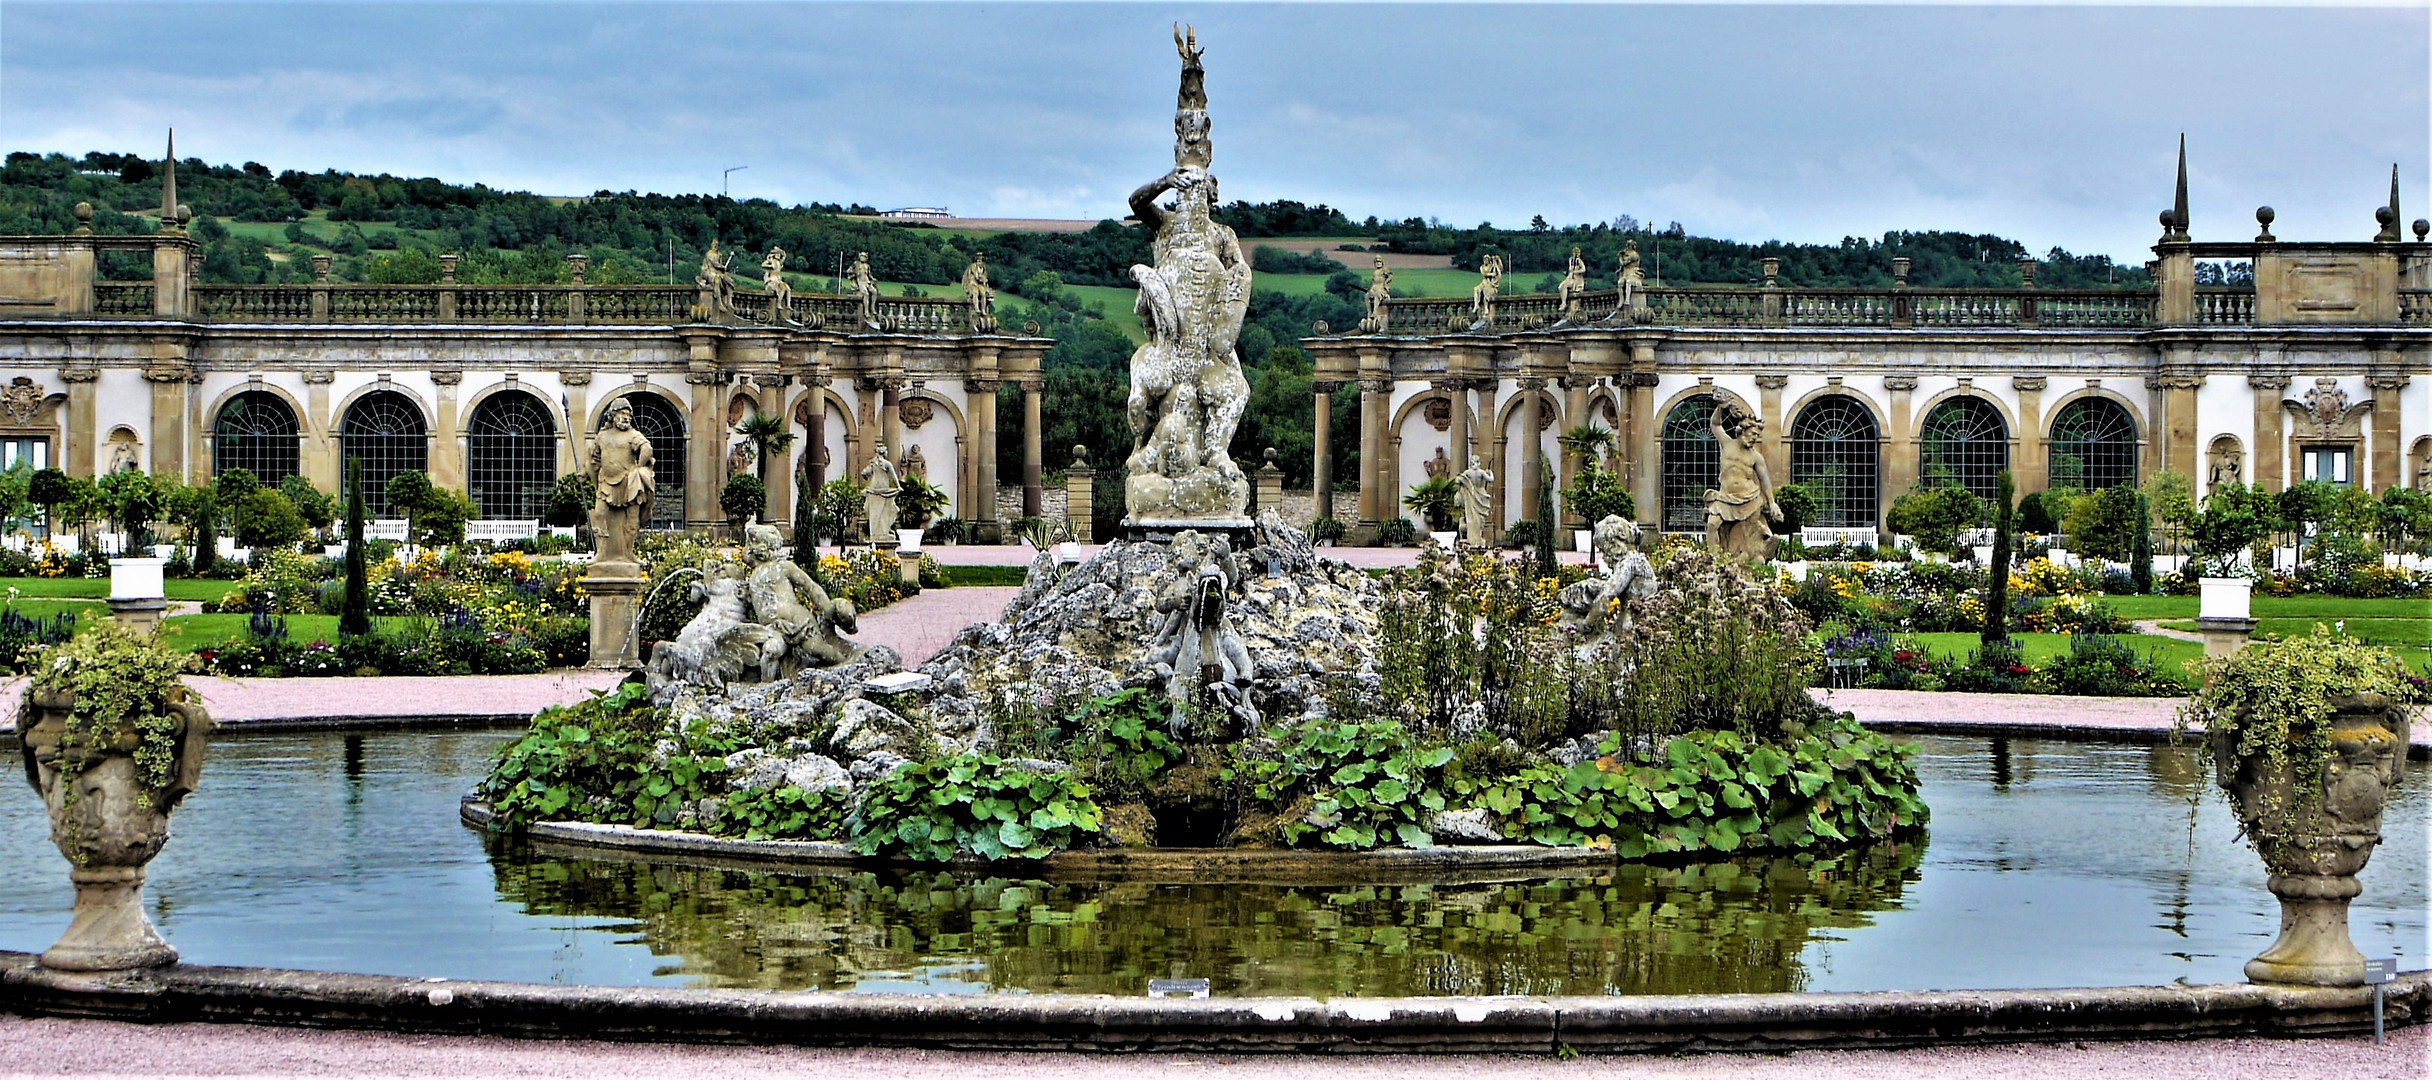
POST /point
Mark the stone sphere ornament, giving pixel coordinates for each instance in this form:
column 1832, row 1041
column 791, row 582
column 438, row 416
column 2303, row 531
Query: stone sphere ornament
column 110, row 765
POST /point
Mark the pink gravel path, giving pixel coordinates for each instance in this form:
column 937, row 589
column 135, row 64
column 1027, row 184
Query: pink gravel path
column 51, row 1047
column 2075, row 715
column 918, row 627
column 1366, row 558
column 237, row 702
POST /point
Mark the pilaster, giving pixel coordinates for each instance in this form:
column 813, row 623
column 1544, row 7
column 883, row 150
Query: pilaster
column 2388, row 461
column 319, row 460
column 2271, row 440
column 82, row 442
column 447, row 440
column 1900, row 443
column 1769, row 406
column 2029, row 466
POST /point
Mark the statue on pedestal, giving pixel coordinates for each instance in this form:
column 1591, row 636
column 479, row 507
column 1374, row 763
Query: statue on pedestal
column 865, row 291
column 979, row 296
column 1439, row 466
column 780, row 294
column 1482, row 295
column 1741, row 501
column 619, row 464
column 1477, row 503
column 1187, row 389
column 1598, row 607
column 1574, row 282
column 716, row 302
column 1380, row 290
column 879, row 487
column 1631, row 280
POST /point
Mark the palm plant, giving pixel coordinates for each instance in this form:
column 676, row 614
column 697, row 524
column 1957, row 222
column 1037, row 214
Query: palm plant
column 1586, row 441
column 1436, row 501
column 767, row 435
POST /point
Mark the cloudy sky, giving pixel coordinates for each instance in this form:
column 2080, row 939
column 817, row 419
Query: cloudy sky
column 2051, row 124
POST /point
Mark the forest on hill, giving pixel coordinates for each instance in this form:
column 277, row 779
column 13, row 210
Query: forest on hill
column 257, row 226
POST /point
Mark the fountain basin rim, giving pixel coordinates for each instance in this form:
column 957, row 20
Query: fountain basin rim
column 1198, row 864
column 1641, row 1024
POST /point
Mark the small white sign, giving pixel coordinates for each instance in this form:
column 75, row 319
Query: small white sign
column 899, row 682
column 2381, row 971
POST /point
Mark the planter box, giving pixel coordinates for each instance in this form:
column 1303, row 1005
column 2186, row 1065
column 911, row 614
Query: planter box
column 1444, row 539
column 2225, row 598
column 1583, row 540
column 907, row 541
column 136, row 579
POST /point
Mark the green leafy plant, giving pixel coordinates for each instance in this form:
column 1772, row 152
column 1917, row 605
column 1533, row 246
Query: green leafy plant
column 1395, row 532
column 1350, row 784
column 123, row 685
column 318, row 510
column 918, row 502
column 743, row 498
column 1437, row 501
column 1997, row 577
column 1934, row 517
column 1323, row 529
column 355, row 616
column 1799, row 507
column 266, row 519
column 978, row 803
column 570, row 499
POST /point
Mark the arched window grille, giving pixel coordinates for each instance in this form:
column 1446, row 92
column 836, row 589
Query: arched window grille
column 663, row 424
column 1964, row 442
column 385, row 431
column 1833, row 452
column 511, row 459
column 1691, row 464
column 2093, row 446
column 257, row 431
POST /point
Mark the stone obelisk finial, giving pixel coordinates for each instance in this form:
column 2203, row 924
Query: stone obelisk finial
column 2390, row 217
column 169, row 222
column 2178, row 201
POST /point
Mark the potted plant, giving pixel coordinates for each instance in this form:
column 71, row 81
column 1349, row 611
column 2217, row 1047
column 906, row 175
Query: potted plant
column 2308, row 737
column 115, row 741
column 916, row 505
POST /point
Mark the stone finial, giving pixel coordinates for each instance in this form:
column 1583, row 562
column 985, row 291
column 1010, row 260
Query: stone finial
column 2264, row 216
column 2389, row 226
column 1270, row 466
column 1900, row 266
column 2422, row 228
column 1080, row 456
column 447, row 269
column 84, row 219
column 320, row 269
column 577, row 265
column 2026, row 272
column 1772, row 268
column 2178, row 201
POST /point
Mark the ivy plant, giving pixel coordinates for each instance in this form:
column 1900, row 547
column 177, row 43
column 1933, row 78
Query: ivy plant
column 122, row 684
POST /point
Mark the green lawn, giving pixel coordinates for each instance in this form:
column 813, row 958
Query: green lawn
column 1118, row 307
column 98, row 588
column 191, row 632
column 2168, row 653
column 2275, row 607
column 2411, row 634
column 987, row 575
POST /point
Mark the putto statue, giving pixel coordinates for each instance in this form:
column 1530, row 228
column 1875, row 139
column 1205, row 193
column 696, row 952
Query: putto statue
column 760, row 621
column 1741, row 501
column 1477, row 503
column 1195, row 649
column 1632, row 281
column 865, row 291
column 880, row 485
column 1482, row 295
column 1187, row 392
column 1380, row 291
column 780, row 294
column 1598, row 607
column 979, row 296
column 619, row 464
column 1574, row 283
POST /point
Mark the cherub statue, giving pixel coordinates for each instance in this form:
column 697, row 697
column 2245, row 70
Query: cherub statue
column 785, row 599
column 1380, row 291
column 720, row 645
column 1598, row 607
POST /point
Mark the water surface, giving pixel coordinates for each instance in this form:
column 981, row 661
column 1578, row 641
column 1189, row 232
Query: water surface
column 2047, row 864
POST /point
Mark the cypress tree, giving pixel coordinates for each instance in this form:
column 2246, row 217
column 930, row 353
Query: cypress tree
column 806, row 523
column 206, row 530
column 356, row 616
column 2140, row 548
column 1547, row 524
column 1997, row 588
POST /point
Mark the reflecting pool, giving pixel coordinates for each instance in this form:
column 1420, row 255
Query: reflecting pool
column 2047, row 864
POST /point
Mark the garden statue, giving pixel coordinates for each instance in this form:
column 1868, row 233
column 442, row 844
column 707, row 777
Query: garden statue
column 2423, row 471
column 785, row 598
column 865, row 291
column 1741, row 501
column 1482, row 295
column 780, row 294
column 717, row 288
column 1439, row 466
column 619, row 464
column 1598, row 607
column 979, row 296
column 915, row 465
column 1574, row 282
column 721, row 644
column 1187, row 390
column 2228, row 465
column 879, row 487
column 112, row 743
column 1629, row 278
column 1195, row 650
column 1477, row 503
column 1380, row 292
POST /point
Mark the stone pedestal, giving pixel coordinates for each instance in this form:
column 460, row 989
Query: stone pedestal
column 140, row 615
column 908, row 564
column 616, row 607
column 108, row 930
column 2224, row 636
column 136, row 597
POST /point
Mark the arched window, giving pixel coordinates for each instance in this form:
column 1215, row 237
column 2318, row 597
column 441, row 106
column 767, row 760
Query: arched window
column 1691, row 464
column 1964, row 442
column 384, row 430
column 1833, row 453
column 257, row 431
column 512, row 456
column 2093, row 446
column 663, row 424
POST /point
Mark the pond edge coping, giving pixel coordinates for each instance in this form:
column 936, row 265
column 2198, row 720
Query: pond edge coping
column 1045, row 1022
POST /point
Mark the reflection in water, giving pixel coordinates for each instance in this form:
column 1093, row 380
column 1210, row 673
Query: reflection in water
column 1726, row 927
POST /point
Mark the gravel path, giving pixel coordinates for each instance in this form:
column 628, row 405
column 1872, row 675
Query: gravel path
column 1366, row 558
column 918, row 627
column 48, row 1047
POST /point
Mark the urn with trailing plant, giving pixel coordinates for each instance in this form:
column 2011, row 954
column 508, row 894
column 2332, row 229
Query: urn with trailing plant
column 2308, row 736
column 112, row 742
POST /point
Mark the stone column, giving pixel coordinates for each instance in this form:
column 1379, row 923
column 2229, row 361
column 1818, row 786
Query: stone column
column 1645, row 461
column 1769, row 405
column 1078, row 493
column 1490, row 441
column 577, row 388
column 1322, row 461
column 447, row 442
column 172, row 276
column 1899, row 465
column 83, row 441
column 1457, row 412
column 1532, row 453
column 891, row 417
column 2271, row 442
column 2178, row 423
column 169, row 420
column 1375, row 400
column 320, row 461
column 1034, row 492
column 2389, row 465
column 983, row 516
column 2027, row 464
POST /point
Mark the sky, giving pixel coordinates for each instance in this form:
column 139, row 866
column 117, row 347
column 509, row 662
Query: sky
column 2052, row 125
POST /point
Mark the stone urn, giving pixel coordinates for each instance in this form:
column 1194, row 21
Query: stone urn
column 110, row 820
column 2314, row 866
